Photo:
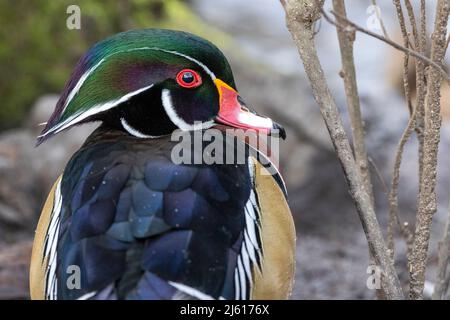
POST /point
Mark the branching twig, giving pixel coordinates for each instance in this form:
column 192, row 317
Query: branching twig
column 394, row 218
column 397, row 46
column 346, row 40
column 443, row 258
column 427, row 196
column 300, row 17
column 406, row 42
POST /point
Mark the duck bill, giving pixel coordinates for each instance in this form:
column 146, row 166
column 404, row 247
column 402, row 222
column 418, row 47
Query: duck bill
column 234, row 113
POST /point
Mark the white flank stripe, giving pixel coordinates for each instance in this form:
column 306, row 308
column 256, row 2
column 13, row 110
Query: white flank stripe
column 250, row 248
column 250, row 210
column 250, row 253
column 246, row 263
column 173, row 116
column 52, row 242
column 191, row 291
column 253, row 199
column 237, row 287
column 242, row 279
column 250, row 228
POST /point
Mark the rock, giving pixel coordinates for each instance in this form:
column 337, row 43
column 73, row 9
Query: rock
column 14, row 269
column 41, row 112
column 28, row 172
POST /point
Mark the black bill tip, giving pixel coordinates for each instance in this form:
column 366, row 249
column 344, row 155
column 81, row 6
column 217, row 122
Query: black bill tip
column 281, row 131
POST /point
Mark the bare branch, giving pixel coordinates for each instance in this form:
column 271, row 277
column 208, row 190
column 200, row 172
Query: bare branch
column 346, row 39
column 406, row 42
column 300, row 17
column 421, row 86
column 446, row 45
column 394, row 218
column 443, row 258
column 427, row 196
column 390, row 42
column 412, row 21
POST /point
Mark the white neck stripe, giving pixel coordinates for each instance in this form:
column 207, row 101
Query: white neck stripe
column 176, row 119
column 134, row 132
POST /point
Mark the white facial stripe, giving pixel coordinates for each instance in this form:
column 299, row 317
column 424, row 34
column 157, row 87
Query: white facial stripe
column 83, row 78
column 173, row 116
column 134, row 132
column 94, row 110
column 204, row 67
column 80, row 82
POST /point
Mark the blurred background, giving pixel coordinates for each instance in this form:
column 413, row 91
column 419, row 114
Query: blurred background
column 38, row 52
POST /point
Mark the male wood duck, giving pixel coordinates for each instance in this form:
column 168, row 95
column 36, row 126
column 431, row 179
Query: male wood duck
column 124, row 221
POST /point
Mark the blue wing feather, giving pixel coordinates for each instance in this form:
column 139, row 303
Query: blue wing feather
column 134, row 221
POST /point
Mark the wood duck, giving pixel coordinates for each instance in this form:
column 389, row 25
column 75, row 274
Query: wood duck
column 124, row 221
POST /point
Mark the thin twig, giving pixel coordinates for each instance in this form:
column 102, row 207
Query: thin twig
column 390, row 42
column 412, row 21
column 446, row 45
column 421, row 86
column 406, row 43
column 443, row 258
column 300, row 17
column 427, row 205
column 404, row 227
column 377, row 12
column 346, row 40
column 394, row 218
column 380, row 177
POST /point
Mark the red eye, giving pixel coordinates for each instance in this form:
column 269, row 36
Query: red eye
column 188, row 78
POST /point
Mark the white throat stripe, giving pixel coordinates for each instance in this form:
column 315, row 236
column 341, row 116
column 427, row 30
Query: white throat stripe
column 134, row 132
column 177, row 120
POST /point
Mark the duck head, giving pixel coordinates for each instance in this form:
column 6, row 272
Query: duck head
column 151, row 82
